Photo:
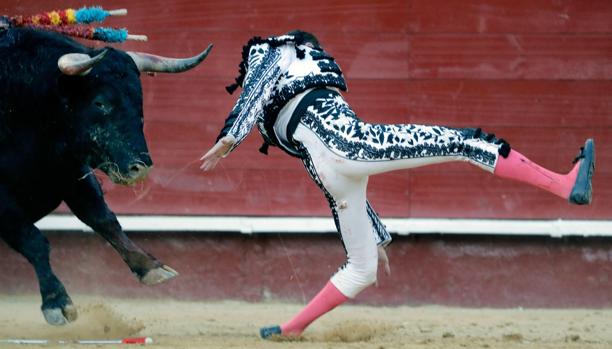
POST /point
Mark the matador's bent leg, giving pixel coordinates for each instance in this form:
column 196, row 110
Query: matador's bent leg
column 361, row 231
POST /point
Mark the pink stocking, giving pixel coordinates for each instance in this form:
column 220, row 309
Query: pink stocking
column 327, row 299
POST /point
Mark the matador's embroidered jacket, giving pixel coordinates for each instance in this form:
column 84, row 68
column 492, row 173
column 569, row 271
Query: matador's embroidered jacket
column 273, row 71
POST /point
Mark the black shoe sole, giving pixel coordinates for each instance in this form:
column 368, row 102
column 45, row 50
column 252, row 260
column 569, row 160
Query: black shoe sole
column 267, row 332
column 582, row 192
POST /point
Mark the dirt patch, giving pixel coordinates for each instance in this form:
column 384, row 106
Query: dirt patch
column 96, row 320
column 356, row 331
column 184, row 325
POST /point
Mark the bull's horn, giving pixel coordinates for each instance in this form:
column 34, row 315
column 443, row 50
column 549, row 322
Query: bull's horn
column 78, row 63
column 156, row 64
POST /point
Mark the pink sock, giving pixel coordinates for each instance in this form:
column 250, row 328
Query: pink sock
column 327, row 299
column 516, row 166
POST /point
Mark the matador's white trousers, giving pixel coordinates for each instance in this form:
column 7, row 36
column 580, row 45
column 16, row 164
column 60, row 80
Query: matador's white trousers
column 340, row 152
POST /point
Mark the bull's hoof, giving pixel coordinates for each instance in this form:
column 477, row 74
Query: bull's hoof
column 60, row 316
column 158, row 275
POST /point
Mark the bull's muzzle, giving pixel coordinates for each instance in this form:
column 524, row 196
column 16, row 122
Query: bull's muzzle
column 137, row 172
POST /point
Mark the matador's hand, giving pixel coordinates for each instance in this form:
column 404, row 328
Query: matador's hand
column 217, row 152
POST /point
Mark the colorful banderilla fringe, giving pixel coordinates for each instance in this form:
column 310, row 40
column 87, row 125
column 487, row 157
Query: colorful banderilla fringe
column 70, row 22
column 95, row 33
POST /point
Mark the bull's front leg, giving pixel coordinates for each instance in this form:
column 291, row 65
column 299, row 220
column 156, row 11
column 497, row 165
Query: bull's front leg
column 86, row 201
column 21, row 235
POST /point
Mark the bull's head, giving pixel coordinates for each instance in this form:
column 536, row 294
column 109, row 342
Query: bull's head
column 102, row 98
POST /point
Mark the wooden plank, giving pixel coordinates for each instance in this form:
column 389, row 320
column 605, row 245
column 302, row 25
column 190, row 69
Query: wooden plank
column 464, row 56
column 511, row 56
column 503, row 16
column 204, row 103
column 420, row 56
column 469, row 103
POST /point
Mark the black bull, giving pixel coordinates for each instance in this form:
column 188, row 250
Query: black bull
column 66, row 109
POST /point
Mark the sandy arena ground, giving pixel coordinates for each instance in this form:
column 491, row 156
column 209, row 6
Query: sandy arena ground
column 176, row 325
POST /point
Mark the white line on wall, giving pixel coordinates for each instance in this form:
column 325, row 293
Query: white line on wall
column 288, row 225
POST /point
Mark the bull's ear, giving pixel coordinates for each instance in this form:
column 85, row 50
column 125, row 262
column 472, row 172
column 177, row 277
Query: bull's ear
column 156, row 64
column 78, row 63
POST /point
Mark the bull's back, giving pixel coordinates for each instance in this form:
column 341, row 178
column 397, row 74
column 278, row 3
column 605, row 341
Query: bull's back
column 29, row 64
column 29, row 100
column 33, row 164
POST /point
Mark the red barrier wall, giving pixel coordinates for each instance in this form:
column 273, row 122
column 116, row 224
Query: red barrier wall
column 453, row 270
column 537, row 73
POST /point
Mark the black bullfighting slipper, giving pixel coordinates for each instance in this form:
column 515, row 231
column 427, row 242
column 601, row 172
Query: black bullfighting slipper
column 269, row 331
column 582, row 191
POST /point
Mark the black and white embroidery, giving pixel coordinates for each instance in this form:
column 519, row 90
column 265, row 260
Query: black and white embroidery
column 290, row 90
column 272, row 72
column 258, row 87
column 343, row 132
column 328, row 67
column 383, row 238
